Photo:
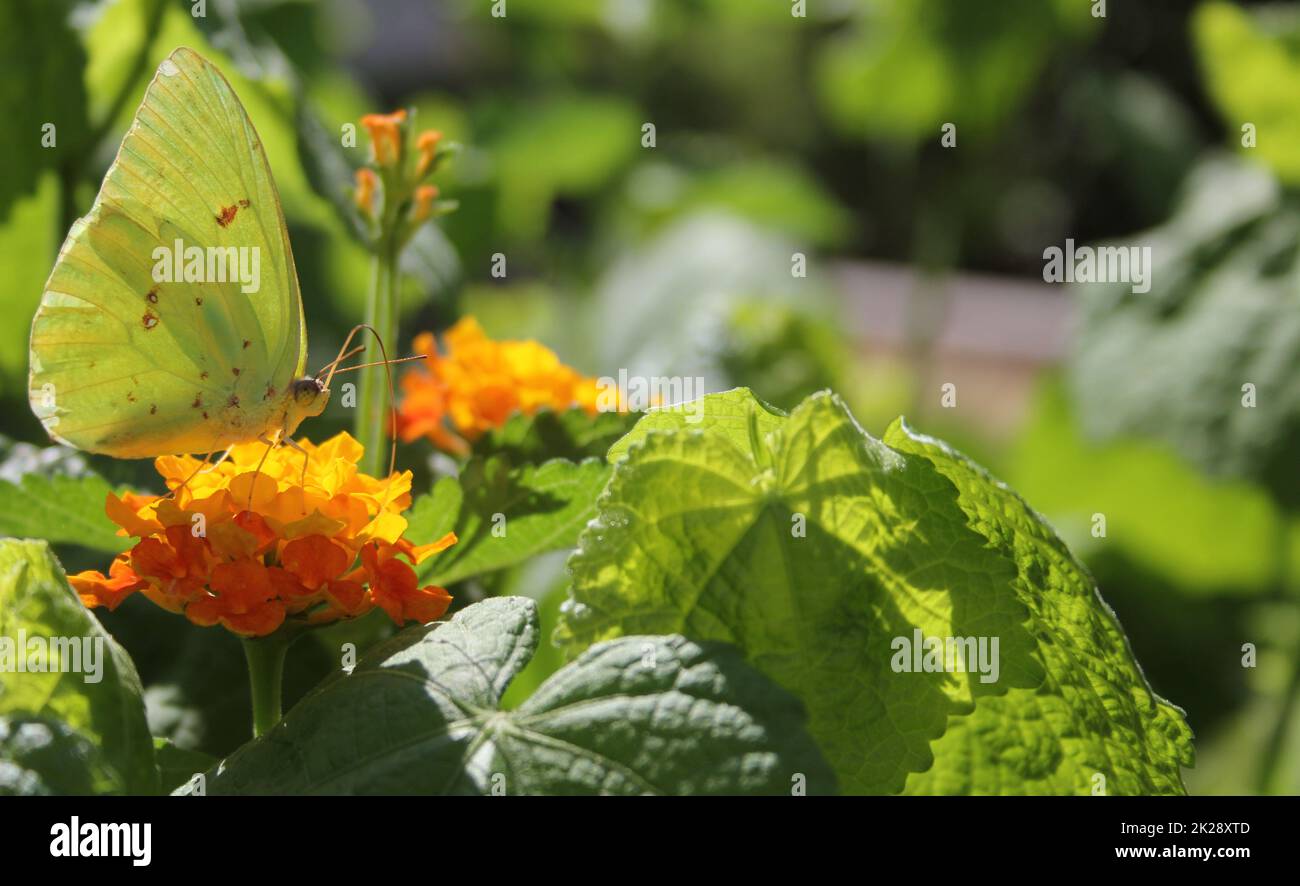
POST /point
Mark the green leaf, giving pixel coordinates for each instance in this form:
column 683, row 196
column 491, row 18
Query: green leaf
column 1123, row 730
column 176, row 766
column 430, row 266
column 736, row 416
column 102, row 700
column 41, row 66
column 548, row 658
column 61, row 509
column 40, row 756
column 571, row 434
column 815, row 548
column 52, row 493
column 420, row 715
column 502, row 517
column 30, row 234
column 1223, row 312
column 328, row 169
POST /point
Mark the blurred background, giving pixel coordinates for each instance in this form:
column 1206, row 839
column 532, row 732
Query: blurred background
column 797, row 224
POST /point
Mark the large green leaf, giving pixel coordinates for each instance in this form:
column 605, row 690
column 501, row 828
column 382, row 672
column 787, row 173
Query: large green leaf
column 50, row 493
column 1223, row 312
column 813, row 546
column 571, row 434
column 421, row 715
column 1119, row 727
column 502, row 516
column 36, row 603
column 176, row 766
column 736, row 416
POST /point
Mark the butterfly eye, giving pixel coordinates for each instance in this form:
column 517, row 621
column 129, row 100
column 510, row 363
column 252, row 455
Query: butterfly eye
column 305, row 390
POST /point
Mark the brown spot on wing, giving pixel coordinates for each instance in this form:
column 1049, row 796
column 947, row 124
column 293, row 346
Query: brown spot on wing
column 235, row 370
column 227, row 215
column 203, row 375
column 198, row 401
column 152, row 296
column 149, row 320
column 153, row 408
column 233, row 401
column 198, row 300
column 205, row 414
column 244, row 204
column 270, row 392
column 247, row 343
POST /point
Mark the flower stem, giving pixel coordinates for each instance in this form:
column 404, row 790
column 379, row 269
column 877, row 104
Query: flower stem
column 373, row 418
column 265, row 672
column 1271, row 757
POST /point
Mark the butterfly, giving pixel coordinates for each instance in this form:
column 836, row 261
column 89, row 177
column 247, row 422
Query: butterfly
column 172, row 322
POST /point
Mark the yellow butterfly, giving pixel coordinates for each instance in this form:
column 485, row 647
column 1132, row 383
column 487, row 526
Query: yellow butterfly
column 172, row 322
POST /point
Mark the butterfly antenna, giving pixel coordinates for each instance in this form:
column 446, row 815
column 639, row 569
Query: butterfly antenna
column 340, row 358
column 384, row 362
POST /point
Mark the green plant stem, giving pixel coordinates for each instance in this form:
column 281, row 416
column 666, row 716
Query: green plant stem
column 265, row 675
column 1271, row 756
column 374, row 418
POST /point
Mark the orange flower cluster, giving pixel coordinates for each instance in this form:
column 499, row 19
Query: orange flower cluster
column 400, row 171
column 478, row 383
column 247, row 547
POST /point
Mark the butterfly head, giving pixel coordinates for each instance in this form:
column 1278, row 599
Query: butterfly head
column 307, row 399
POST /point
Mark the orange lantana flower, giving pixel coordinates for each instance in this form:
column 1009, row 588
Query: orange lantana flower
column 478, row 383
column 248, row 548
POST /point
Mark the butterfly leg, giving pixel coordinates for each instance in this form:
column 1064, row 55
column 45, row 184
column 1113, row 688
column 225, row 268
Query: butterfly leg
column 270, row 444
column 225, row 455
column 186, row 482
column 289, row 441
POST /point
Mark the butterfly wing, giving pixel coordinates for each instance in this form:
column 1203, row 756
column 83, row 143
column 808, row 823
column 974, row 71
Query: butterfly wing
column 132, row 359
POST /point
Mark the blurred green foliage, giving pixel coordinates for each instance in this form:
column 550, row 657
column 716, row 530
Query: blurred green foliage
column 903, row 68
column 1251, row 62
column 1206, row 358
